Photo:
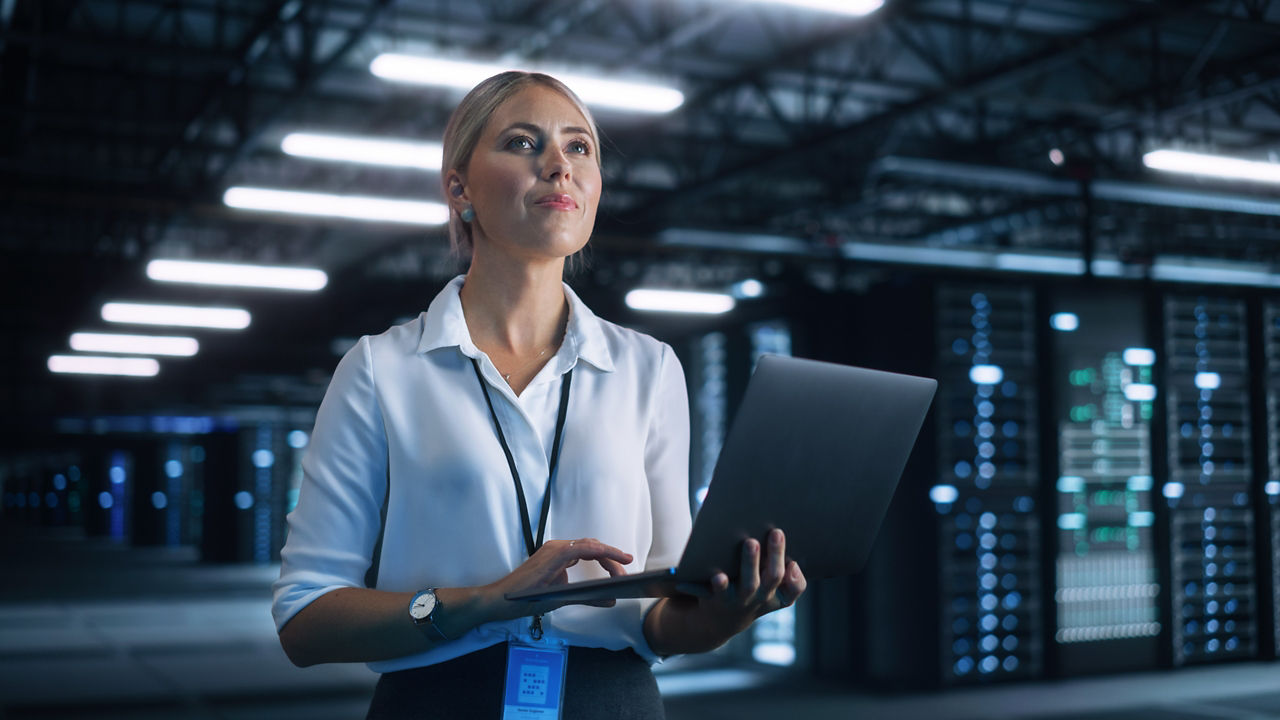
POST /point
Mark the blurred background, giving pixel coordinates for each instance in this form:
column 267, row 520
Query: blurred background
column 1067, row 212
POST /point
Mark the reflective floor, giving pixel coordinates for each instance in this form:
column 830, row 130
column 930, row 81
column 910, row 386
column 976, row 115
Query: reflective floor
column 93, row 630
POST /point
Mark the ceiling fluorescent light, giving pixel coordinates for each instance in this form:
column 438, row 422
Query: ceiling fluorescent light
column 1213, row 272
column 917, row 255
column 679, row 301
column 1052, row 264
column 135, row 344
column 634, row 96
column 740, row 242
column 975, row 259
column 98, row 365
column 180, row 315
column 1112, row 267
column 856, row 8
column 237, row 275
column 349, row 207
column 1188, row 163
column 365, row 150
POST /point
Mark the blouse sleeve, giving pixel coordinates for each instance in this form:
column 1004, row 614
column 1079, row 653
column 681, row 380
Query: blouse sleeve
column 667, row 465
column 666, row 461
column 333, row 528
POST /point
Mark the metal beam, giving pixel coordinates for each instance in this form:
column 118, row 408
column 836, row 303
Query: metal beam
column 977, row 85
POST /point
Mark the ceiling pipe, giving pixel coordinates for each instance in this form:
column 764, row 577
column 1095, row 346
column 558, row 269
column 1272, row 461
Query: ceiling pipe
column 1033, row 183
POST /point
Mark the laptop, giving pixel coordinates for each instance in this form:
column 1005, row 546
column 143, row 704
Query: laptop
column 815, row 449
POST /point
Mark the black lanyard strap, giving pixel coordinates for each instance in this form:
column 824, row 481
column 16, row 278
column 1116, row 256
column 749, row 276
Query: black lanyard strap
column 530, row 544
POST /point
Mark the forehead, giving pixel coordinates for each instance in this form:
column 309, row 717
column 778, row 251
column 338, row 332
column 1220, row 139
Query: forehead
column 537, row 105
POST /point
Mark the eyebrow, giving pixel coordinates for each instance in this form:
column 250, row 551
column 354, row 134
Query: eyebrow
column 535, row 129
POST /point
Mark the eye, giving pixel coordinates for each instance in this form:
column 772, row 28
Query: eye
column 521, row 142
column 580, row 146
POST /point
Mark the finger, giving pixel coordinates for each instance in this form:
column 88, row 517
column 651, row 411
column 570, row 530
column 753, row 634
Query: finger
column 719, row 584
column 613, row 567
column 774, row 563
column 749, row 575
column 796, row 583
column 593, row 549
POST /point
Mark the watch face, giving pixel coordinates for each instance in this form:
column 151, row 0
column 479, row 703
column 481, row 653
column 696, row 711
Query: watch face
column 423, row 604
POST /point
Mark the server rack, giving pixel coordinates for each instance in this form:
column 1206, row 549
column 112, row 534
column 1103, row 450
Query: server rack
column 1103, row 555
column 988, row 533
column 1213, row 582
column 150, row 504
column 1270, row 353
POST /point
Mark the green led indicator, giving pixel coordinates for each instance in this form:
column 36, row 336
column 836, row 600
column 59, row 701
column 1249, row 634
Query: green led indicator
column 1083, row 413
column 1082, row 378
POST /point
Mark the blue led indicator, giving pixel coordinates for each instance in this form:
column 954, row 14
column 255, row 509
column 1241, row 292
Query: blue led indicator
column 1064, row 322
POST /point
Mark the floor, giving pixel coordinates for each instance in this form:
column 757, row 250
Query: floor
column 89, row 629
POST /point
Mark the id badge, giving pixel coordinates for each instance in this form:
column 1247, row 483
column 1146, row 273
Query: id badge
column 535, row 681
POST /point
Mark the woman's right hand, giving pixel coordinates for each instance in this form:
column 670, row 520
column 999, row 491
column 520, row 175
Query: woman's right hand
column 548, row 567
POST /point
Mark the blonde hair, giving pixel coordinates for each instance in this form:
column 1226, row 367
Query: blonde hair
column 468, row 122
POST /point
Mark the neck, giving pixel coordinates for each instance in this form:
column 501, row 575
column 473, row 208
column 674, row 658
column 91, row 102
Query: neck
column 516, row 308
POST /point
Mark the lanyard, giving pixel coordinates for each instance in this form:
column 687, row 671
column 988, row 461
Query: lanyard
column 530, row 543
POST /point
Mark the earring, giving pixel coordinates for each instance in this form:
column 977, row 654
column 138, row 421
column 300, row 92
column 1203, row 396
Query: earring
column 468, row 214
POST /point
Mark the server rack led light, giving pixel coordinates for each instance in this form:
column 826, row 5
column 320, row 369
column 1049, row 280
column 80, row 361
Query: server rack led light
column 118, row 474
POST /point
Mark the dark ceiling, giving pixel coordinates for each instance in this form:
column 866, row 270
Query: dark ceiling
column 927, row 123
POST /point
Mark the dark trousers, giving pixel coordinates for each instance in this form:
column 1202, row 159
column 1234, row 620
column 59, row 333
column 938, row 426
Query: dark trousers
column 605, row 684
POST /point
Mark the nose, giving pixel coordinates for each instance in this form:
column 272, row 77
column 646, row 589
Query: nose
column 555, row 165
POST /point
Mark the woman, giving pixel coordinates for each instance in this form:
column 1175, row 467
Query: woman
column 462, row 426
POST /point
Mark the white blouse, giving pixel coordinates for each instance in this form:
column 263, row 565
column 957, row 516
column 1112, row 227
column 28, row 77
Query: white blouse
column 405, row 411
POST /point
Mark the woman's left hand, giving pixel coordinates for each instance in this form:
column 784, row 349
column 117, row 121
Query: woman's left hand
column 767, row 581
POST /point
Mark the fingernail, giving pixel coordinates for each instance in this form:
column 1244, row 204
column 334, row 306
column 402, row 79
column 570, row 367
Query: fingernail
column 775, row 536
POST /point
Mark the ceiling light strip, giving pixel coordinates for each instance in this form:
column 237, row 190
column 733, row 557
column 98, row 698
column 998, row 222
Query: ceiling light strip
column 853, row 8
column 100, row 365
column 219, row 318
column 364, row 150
column 272, row 277
column 347, row 207
column 174, row 346
column 1188, row 163
column 679, row 301
column 462, row 75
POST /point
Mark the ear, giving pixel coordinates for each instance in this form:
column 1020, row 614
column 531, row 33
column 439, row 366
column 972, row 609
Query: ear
column 456, row 190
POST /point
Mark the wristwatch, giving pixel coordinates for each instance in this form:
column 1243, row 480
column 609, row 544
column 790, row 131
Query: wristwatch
column 422, row 611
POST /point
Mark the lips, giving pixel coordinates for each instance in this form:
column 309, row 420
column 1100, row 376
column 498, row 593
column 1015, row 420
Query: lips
column 557, row 201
